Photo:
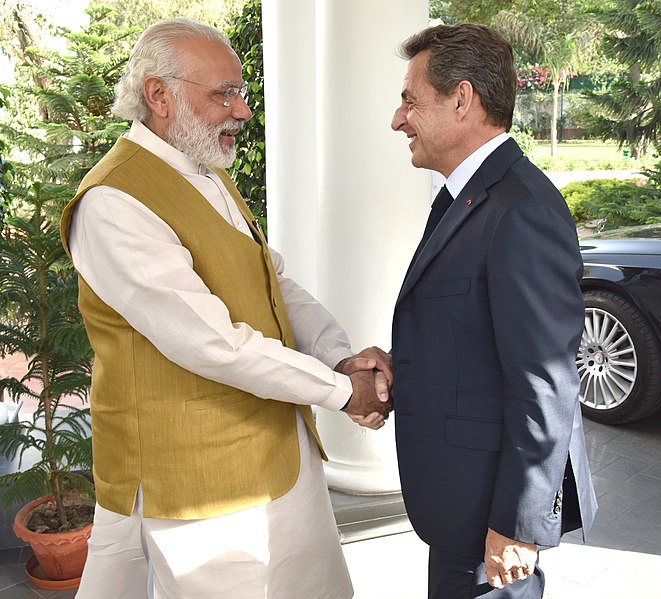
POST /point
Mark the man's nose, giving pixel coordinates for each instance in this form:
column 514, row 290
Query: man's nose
column 398, row 119
column 240, row 109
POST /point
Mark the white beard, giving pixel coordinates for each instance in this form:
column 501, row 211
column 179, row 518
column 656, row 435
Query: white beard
column 199, row 140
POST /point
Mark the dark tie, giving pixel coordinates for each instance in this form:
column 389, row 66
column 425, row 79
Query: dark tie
column 438, row 209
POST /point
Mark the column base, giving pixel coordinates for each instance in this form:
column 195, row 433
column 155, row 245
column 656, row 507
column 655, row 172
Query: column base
column 360, row 461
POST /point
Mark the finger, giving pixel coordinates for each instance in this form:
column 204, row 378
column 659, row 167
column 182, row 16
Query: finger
column 374, row 421
column 381, row 386
column 518, row 572
column 356, row 363
column 361, row 419
column 377, row 353
column 509, row 562
column 506, row 577
column 495, row 581
column 383, row 360
column 527, row 557
column 373, row 418
column 492, row 572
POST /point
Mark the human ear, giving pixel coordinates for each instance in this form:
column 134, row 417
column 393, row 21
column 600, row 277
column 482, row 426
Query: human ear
column 157, row 96
column 463, row 96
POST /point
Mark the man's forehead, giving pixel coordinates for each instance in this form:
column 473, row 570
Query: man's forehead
column 412, row 78
column 207, row 54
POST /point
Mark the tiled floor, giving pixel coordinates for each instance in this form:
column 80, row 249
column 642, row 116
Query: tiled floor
column 13, row 582
column 620, row 561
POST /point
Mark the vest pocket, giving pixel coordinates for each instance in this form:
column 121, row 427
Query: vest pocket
column 215, row 401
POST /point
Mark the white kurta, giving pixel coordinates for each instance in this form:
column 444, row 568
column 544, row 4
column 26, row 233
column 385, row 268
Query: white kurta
column 287, row 549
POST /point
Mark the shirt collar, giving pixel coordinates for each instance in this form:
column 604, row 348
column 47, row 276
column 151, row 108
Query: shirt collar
column 462, row 174
column 143, row 136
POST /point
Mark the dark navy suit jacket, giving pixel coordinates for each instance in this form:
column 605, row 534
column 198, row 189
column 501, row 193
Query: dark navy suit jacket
column 485, row 334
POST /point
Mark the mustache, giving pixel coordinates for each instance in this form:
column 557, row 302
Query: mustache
column 233, row 126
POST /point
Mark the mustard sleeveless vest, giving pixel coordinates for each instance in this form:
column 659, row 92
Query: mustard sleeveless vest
column 200, row 449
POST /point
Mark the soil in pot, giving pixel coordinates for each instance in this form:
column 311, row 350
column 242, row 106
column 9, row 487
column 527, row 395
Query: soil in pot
column 43, row 519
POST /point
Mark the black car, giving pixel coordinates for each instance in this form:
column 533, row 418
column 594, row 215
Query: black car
column 619, row 359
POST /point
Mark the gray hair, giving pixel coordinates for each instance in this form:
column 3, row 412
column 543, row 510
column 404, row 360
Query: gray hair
column 474, row 53
column 155, row 54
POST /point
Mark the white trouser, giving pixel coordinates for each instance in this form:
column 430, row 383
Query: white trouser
column 286, row 549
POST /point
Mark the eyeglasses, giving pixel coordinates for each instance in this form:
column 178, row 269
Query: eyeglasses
column 228, row 92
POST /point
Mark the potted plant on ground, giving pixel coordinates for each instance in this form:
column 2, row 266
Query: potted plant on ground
column 39, row 318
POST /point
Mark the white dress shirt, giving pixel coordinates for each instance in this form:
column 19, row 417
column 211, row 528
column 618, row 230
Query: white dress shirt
column 462, row 174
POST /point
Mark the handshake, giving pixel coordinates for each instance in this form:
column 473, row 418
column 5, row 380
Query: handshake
column 370, row 372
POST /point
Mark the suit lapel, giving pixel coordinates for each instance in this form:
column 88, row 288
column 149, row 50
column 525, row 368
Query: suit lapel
column 474, row 193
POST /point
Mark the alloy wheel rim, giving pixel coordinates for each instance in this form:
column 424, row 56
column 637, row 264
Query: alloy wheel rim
column 607, row 362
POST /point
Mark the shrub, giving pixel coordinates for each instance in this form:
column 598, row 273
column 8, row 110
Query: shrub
column 525, row 140
column 614, row 201
column 249, row 170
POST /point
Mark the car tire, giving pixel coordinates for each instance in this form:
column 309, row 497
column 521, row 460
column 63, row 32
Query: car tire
column 619, row 361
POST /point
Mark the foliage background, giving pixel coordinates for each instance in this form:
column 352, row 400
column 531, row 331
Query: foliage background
column 613, row 202
column 249, row 171
column 64, row 123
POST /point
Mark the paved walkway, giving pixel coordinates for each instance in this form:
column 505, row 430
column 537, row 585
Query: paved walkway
column 560, row 179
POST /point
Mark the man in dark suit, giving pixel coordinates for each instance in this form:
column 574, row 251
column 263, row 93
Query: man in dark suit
column 485, row 332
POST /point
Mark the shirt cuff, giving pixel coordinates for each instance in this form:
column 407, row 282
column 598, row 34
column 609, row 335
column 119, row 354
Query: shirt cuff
column 340, row 395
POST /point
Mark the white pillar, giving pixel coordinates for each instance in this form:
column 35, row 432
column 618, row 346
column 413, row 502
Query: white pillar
column 291, row 163
column 369, row 205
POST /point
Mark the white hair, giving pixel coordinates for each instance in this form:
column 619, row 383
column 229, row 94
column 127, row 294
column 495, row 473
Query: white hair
column 198, row 139
column 155, row 53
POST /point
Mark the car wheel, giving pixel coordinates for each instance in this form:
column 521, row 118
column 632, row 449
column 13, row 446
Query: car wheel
column 619, row 361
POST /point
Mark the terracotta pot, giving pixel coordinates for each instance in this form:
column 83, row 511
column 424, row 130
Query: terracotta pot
column 60, row 555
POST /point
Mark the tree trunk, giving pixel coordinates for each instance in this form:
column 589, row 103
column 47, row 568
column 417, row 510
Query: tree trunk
column 554, row 115
column 49, row 403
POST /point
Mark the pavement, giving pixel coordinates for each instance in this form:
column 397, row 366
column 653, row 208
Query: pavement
column 560, row 179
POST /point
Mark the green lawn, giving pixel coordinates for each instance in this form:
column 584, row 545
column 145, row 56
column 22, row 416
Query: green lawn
column 585, row 155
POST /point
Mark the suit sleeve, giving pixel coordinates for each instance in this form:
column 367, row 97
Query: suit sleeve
column 536, row 304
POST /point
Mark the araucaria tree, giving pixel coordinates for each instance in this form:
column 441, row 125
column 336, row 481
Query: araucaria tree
column 59, row 125
column 40, row 320
column 61, row 104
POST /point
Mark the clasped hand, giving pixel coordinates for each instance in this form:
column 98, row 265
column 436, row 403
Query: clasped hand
column 371, row 378
column 507, row 560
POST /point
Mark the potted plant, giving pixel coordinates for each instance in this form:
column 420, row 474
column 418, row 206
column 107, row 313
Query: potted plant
column 39, row 318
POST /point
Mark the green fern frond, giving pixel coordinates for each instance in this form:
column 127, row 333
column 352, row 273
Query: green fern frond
column 22, row 487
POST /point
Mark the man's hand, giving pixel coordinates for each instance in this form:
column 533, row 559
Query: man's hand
column 365, row 405
column 507, row 560
column 368, row 359
column 379, row 363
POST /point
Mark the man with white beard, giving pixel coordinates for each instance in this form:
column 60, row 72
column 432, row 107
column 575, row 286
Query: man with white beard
column 207, row 463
